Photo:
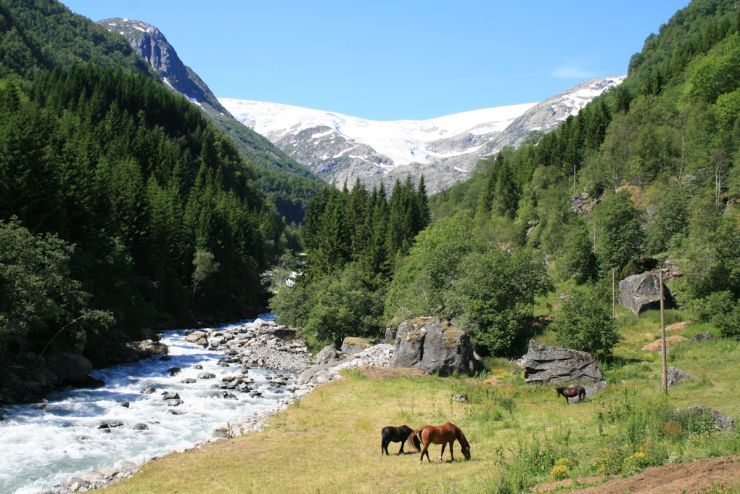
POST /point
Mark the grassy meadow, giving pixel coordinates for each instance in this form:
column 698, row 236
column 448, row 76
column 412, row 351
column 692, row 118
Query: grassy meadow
column 521, row 435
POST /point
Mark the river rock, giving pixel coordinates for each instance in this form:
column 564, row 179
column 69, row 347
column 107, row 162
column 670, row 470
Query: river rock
column 71, row 368
column 170, row 395
column 677, row 376
column 195, row 336
column 352, row 345
column 188, row 380
column 173, row 371
column 435, row 346
column 140, row 427
column 173, row 402
column 206, row 375
column 147, row 390
column 148, row 348
column 640, row 292
column 550, row 364
column 216, row 341
column 109, row 424
column 278, row 331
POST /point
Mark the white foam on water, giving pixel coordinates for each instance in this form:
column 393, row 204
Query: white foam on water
column 43, row 447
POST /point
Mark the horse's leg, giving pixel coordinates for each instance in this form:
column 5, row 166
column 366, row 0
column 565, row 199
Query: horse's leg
column 452, row 454
column 384, row 447
column 401, row 450
column 425, row 451
column 443, row 451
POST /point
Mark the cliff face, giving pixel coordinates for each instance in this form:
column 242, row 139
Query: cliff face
column 151, row 45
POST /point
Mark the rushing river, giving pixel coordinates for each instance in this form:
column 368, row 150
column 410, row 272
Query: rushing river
column 42, row 445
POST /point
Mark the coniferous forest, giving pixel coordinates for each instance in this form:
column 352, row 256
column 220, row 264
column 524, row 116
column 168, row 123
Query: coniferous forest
column 121, row 206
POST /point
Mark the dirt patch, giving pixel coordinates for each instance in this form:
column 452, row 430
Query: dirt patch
column 677, row 327
column 690, row 478
column 658, row 344
column 382, row 373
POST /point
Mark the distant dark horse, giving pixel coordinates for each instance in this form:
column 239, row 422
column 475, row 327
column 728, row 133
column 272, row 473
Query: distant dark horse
column 391, row 434
column 444, row 435
column 571, row 391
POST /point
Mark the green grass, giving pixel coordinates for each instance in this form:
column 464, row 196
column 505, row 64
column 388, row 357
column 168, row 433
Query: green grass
column 520, row 434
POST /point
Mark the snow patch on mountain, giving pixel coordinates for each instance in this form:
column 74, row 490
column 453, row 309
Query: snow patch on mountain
column 342, row 148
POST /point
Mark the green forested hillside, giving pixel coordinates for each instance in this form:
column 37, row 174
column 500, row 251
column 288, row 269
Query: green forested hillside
column 644, row 173
column 120, row 204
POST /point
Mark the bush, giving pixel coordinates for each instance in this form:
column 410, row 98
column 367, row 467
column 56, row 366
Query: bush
column 722, row 310
column 585, row 324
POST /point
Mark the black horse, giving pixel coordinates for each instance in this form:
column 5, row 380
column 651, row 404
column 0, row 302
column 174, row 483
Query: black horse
column 571, row 391
column 391, row 434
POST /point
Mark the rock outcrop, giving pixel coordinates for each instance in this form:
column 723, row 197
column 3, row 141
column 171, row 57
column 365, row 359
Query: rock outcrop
column 677, row 376
column 433, row 345
column 640, row 292
column 70, row 368
column 551, row 364
column 352, row 345
column 701, row 412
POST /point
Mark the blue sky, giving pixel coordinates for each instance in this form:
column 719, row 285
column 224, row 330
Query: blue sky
column 397, row 59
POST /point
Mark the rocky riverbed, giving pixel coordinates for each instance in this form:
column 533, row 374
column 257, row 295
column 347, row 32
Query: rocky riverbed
column 214, row 383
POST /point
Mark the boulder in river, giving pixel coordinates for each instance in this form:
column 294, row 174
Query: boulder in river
column 551, row 364
column 147, row 390
column 640, row 292
column 206, row 375
column 195, row 336
column 148, row 348
column 109, row 424
column 71, row 368
column 434, row 345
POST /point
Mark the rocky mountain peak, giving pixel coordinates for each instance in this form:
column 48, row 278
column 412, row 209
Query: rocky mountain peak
column 151, row 45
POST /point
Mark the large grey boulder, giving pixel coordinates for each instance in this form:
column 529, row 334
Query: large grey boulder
column 327, row 354
column 70, row 367
column 435, row 346
column 640, row 292
column 551, row 364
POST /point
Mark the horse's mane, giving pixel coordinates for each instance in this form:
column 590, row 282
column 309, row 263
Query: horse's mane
column 461, row 437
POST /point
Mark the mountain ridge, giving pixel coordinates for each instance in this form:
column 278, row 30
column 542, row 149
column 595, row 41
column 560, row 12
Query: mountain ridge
column 341, row 148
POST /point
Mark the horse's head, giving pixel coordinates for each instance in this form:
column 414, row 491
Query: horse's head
column 559, row 391
column 466, row 451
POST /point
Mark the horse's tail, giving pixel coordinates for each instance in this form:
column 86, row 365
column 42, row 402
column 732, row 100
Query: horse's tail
column 414, row 439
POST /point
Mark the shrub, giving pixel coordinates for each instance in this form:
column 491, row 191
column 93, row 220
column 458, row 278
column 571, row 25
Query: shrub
column 585, row 324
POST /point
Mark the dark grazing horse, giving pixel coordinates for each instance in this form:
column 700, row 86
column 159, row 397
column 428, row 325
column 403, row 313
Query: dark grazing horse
column 444, row 435
column 391, row 434
column 571, row 391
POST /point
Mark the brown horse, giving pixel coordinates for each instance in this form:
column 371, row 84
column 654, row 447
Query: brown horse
column 444, row 435
column 571, row 391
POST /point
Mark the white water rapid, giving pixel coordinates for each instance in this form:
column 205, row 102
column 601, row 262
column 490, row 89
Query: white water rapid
column 43, row 445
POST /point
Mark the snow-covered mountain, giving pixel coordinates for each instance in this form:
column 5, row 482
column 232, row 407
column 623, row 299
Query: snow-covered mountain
column 342, row 148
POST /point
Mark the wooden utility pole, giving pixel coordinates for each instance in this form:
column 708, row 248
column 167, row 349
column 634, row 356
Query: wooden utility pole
column 614, row 294
column 664, row 350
